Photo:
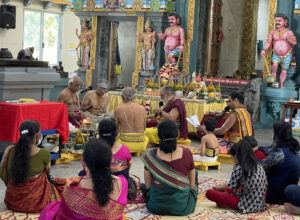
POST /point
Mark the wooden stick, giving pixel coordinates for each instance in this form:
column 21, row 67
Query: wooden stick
column 267, row 65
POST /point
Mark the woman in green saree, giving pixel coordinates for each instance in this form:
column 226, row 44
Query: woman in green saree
column 170, row 175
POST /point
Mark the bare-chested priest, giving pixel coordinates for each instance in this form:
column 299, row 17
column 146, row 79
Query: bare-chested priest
column 174, row 110
column 70, row 98
column 131, row 121
column 95, row 101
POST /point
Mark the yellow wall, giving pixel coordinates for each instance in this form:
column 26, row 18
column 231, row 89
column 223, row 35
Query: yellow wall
column 13, row 38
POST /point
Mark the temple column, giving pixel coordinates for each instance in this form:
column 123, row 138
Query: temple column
column 248, row 48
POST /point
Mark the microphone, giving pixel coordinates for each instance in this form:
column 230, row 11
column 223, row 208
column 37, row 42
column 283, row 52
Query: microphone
column 226, row 109
column 85, row 90
column 160, row 104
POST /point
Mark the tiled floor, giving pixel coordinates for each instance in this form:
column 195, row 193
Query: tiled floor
column 264, row 137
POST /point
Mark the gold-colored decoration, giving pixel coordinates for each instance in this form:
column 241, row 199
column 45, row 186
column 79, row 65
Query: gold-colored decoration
column 88, row 77
column 248, row 49
column 92, row 52
column 271, row 25
column 138, row 58
column 189, row 37
column 90, row 5
column 137, row 5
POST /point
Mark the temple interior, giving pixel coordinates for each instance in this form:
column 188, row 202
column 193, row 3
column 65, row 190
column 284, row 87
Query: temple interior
column 70, row 64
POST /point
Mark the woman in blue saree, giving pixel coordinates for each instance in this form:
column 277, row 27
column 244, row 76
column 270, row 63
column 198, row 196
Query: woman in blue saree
column 170, row 175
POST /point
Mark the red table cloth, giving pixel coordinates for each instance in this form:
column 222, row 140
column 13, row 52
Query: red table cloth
column 50, row 115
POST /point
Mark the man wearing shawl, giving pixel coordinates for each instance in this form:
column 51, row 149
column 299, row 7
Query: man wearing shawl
column 238, row 123
column 175, row 111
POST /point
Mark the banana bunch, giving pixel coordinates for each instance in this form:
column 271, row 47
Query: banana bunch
column 26, row 100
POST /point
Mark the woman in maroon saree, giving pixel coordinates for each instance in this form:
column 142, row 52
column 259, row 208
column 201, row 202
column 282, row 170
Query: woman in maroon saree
column 98, row 195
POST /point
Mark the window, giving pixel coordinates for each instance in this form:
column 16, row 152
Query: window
column 42, row 31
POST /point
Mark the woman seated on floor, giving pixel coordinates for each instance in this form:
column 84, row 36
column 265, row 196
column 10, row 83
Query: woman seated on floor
column 246, row 189
column 121, row 156
column 24, row 169
column 170, row 175
column 98, row 195
column 282, row 164
column 292, row 194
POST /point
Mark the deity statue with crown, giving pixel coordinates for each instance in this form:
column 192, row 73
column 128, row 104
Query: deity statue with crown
column 174, row 41
column 148, row 46
column 85, row 38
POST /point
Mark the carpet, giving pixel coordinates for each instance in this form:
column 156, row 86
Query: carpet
column 205, row 210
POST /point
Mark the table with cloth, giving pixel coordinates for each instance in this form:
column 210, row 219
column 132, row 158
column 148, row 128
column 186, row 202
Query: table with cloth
column 50, row 115
column 197, row 107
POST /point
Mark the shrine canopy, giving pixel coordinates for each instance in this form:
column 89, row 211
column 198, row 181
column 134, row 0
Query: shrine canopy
column 154, row 5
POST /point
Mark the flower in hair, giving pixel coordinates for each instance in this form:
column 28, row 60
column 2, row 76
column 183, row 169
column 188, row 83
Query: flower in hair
column 25, row 131
column 106, row 135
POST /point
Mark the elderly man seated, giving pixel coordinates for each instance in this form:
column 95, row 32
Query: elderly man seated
column 131, row 121
column 94, row 102
column 69, row 97
column 175, row 111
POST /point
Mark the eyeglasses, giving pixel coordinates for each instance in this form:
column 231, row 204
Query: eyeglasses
column 104, row 89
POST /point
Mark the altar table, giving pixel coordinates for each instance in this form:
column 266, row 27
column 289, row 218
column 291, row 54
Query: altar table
column 50, row 115
column 197, row 107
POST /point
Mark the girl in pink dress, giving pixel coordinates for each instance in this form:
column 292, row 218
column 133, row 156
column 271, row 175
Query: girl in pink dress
column 121, row 156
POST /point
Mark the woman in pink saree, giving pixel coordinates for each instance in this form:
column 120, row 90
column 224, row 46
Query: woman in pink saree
column 98, row 195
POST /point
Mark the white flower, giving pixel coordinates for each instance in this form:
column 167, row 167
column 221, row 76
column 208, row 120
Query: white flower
column 25, row 131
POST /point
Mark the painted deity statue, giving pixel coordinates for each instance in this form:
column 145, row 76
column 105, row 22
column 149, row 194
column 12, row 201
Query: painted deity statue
column 174, row 38
column 148, row 41
column 113, row 4
column 283, row 41
column 85, row 38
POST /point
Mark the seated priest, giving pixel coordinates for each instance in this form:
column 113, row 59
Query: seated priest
column 238, row 122
column 70, row 97
column 95, row 102
column 174, row 111
column 131, row 121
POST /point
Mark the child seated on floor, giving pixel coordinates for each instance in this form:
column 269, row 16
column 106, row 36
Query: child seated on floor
column 253, row 143
column 246, row 189
column 209, row 146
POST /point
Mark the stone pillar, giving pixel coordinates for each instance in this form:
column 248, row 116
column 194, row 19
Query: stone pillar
column 202, row 25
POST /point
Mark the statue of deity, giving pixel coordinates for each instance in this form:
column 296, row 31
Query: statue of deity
column 283, row 41
column 85, row 38
column 174, row 38
column 113, row 4
column 148, row 41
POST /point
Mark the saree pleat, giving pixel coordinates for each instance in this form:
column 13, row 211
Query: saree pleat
column 32, row 196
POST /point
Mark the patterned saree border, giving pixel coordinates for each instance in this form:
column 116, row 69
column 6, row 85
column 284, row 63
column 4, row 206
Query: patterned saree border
column 163, row 172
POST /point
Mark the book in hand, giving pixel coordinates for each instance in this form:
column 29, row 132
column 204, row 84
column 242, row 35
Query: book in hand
column 194, row 121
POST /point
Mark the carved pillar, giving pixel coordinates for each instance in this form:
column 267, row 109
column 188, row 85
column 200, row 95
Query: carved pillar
column 138, row 58
column 212, row 44
column 248, row 49
column 92, row 52
column 272, row 11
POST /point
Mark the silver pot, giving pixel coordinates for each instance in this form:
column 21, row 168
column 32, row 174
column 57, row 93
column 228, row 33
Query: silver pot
column 275, row 85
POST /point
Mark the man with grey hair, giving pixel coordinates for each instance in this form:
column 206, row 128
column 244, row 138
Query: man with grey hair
column 69, row 97
column 174, row 110
column 95, row 101
column 131, row 121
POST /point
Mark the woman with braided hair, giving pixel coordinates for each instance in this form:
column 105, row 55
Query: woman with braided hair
column 97, row 195
column 24, row 169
